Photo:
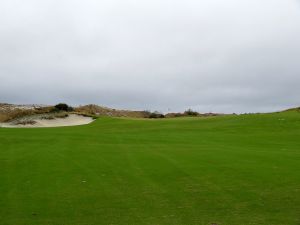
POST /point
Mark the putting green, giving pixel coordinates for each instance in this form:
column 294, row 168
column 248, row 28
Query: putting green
column 231, row 170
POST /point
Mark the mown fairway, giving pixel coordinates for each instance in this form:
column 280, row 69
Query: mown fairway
column 233, row 170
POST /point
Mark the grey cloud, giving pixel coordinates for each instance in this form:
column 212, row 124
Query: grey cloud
column 228, row 56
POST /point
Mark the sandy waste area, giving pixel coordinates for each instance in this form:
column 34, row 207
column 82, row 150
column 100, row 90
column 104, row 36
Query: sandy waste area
column 71, row 120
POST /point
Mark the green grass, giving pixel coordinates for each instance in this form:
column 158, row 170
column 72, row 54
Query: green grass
column 232, row 170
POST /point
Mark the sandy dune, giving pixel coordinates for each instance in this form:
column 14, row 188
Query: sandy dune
column 71, row 120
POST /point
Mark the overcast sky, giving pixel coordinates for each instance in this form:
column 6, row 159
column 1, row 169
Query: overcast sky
column 208, row 55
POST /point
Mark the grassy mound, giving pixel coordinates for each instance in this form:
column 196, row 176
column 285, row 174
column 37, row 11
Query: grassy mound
column 228, row 170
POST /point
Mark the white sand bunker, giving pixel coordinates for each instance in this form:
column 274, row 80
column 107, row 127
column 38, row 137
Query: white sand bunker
column 70, row 120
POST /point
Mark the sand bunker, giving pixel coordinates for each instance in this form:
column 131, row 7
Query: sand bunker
column 71, row 120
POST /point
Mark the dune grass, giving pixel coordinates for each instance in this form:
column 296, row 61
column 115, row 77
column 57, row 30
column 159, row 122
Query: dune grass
column 231, row 170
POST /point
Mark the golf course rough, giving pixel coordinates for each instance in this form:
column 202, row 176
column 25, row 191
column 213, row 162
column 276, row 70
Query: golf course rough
column 227, row 170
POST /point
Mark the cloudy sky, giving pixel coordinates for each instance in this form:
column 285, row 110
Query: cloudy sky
column 208, row 55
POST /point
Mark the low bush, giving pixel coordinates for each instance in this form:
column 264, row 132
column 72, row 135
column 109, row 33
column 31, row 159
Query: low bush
column 63, row 107
column 173, row 115
column 190, row 112
column 156, row 115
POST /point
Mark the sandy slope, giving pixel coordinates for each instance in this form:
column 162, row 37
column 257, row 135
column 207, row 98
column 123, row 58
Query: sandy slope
column 71, row 120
